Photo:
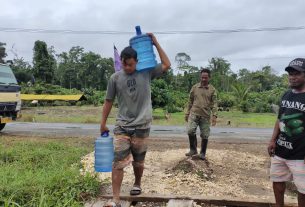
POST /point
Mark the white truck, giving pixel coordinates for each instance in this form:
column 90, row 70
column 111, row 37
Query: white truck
column 10, row 100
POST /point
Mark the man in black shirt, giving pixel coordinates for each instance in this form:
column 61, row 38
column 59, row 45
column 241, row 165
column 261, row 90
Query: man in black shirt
column 287, row 145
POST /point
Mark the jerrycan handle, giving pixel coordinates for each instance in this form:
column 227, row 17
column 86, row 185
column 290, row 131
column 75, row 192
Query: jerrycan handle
column 138, row 30
column 105, row 134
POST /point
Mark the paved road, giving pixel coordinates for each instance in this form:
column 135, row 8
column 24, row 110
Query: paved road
column 73, row 130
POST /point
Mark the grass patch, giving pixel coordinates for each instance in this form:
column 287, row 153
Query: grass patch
column 65, row 114
column 236, row 119
column 240, row 119
column 159, row 118
column 92, row 114
column 28, row 117
column 44, row 172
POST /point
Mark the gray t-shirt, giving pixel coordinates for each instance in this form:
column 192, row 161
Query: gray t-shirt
column 134, row 96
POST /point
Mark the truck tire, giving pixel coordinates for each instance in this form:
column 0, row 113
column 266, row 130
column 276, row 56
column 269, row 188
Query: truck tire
column 2, row 126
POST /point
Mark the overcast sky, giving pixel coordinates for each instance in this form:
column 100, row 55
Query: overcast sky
column 251, row 50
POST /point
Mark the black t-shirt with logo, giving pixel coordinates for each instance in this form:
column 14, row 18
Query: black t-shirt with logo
column 291, row 140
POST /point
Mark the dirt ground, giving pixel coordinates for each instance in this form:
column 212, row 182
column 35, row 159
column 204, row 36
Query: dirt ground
column 235, row 169
column 232, row 170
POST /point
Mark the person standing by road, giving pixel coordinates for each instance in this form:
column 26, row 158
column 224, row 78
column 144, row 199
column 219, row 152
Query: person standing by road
column 287, row 145
column 201, row 106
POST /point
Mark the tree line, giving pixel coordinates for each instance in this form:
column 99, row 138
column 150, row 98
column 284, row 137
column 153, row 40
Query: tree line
column 88, row 72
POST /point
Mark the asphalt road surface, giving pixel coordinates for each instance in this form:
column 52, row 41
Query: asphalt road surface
column 78, row 130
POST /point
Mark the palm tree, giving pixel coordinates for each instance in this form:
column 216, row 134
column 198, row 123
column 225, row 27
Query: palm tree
column 241, row 92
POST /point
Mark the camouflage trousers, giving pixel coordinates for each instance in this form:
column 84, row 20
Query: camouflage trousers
column 204, row 125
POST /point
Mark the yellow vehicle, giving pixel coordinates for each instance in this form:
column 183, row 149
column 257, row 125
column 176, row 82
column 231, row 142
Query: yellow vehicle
column 10, row 101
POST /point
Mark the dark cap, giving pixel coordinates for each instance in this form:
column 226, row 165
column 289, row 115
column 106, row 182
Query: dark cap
column 297, row 64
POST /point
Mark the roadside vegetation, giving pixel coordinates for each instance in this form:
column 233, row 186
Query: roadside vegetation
column 44, row 172
column 255, row 90
column 92, row 115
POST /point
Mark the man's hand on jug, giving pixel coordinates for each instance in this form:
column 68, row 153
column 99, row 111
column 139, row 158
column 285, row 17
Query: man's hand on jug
column 153, row 38
column 103, row 129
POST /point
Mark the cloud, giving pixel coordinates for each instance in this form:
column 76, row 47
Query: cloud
column 242, row 50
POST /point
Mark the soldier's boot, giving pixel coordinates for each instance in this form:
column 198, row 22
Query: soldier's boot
column 204, row 144
column 193, row 146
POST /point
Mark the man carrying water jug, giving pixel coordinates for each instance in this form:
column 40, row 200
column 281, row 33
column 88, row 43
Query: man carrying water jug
column 202, row 104
column 133, row 93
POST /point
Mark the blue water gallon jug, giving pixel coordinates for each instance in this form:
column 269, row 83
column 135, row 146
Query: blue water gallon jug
column 142, row 43
column 104, row 153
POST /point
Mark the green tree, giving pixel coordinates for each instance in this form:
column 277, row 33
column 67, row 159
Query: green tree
column 261, row 80
column 69, row 66
column 170, row 78
column 191, row 77
column 52, row 61
column 97, row 70
column 159, row 93
column 22, row 70
column 190, row 74
column 83, row 70
column 244, row 76
column 222, row 76
column 43, row 62
column 241, row 93
column 2, row 52
column 182, row 60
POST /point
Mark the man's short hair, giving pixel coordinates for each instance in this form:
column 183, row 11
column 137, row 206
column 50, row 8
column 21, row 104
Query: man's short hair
column 128, row 53
column 205, row 70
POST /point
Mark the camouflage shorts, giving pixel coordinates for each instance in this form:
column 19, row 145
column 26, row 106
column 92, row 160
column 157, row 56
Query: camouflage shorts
column 129, row 145
column 204, row 125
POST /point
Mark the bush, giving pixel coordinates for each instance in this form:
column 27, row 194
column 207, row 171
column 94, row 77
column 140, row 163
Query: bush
column 159, row 94
column 177, row 101
column 245, row 106
column 94, row 97
column 259, row 102
column 263, row 108
column 225, row 100
column 44, row 88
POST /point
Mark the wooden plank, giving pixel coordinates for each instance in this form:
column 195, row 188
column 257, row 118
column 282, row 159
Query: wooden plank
column 95, row 203
column 200, row 199
column 180, row 203
column 99, row 203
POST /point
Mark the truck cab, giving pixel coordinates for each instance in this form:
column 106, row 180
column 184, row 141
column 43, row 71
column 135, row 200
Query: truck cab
column 10, row 100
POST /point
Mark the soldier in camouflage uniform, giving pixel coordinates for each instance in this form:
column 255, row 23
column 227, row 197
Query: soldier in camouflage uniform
column 202, row 105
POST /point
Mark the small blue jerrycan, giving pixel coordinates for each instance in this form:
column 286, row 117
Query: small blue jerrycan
column 104, row 153
column 142, row 43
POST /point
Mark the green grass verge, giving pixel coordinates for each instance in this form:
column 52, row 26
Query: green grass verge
column 91, row 114
column 44, row 173
column 236, row 119
column 240, row 119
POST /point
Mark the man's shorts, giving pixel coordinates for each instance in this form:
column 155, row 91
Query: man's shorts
column 283, row 170
column 129, row 145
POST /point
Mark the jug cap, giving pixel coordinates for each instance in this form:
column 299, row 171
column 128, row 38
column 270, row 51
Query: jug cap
column 138, row 30
column 105, row 134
